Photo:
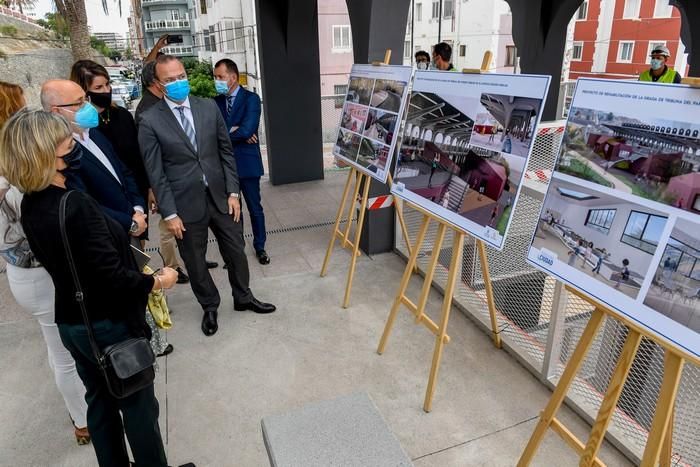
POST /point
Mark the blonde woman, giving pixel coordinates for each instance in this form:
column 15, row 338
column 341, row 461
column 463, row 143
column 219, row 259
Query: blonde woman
column 31, row 285
column 35, row 148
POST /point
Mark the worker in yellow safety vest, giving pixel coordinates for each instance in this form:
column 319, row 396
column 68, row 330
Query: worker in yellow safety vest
column 659, row 71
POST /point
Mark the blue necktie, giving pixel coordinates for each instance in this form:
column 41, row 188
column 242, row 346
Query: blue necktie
column 189, row 131
column 229, row 105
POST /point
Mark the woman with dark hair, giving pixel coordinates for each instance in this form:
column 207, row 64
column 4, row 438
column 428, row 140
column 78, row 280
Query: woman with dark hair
column 117, row 124
column 31, row 285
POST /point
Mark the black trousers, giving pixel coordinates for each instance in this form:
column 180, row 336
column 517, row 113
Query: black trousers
column 193, row 249
column 139, row 411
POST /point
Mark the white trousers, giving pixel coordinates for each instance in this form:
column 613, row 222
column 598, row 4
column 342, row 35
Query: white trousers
column 33, row 289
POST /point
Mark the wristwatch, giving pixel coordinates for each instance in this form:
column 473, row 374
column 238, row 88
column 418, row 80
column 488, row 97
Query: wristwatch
column 234, row 195
column 134, row 227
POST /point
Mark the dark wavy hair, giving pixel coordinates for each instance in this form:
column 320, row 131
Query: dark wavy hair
column 84, row 73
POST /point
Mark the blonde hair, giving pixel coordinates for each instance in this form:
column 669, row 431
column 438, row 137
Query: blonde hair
column 28, row 143
column 11, row 100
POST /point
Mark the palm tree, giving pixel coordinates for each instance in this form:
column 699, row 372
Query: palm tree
column 73, row 11
column 18, row 4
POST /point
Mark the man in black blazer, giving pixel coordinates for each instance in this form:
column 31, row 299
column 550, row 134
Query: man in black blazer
column 101, row 173
column 189, row 160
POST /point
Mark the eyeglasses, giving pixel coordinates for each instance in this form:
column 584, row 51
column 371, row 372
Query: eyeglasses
column 80, row 103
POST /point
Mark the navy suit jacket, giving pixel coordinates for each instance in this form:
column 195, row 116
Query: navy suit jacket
column 117, row 200
column 246, row 116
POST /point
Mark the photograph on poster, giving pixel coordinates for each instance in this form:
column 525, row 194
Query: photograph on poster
column 654, row 158
column 474, row 187
column 387, row 95
column 354, row 117
column 380, row 126
column 507, row 125
column 348, row 144
column 675, row 288
column 598, row 236
column 360, row 90
column 373, row 155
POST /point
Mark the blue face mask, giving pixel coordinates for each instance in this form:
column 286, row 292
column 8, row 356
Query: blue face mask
column 87, row 117
column 221, row 86
column 656, row 64
column 178, row 90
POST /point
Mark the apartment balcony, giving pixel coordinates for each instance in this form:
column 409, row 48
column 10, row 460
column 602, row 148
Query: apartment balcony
column 179, row 51
column 163, row 2
column 168, row 25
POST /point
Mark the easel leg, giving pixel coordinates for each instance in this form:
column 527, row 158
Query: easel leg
column 673, row 368
column 562, row 388
column 612, row 395
column 430, row 272
column 398, row 207
column 351, row 209
column 404, row 284
column 338, row 217
column 358, row 236
column 455, row 272
column 667, row 451
column 488, row 286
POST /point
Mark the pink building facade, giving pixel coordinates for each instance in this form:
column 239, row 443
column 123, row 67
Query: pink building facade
column 335, row 46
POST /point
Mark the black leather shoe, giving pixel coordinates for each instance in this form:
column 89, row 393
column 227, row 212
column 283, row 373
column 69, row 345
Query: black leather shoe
column 167, row 351
column 256, row 306
column 262, row 257
column 212, row 264
column 209, row 323
column 182, row 278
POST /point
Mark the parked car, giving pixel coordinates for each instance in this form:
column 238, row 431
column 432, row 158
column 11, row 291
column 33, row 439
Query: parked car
column 121, row 92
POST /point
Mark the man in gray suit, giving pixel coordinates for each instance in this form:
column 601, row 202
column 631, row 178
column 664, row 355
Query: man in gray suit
column 188, row 156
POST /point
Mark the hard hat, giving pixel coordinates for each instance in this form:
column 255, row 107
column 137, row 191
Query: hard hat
column 661, row 50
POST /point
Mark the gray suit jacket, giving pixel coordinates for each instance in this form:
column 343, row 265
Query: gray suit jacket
column 176, row 170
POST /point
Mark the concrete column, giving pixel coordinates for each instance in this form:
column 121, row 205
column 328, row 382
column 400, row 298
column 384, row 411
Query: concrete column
column 378, row 25
column 291, row 84
column 539, row 33
column 690, row 32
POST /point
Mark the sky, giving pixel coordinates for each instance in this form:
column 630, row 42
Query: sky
column 97, row 20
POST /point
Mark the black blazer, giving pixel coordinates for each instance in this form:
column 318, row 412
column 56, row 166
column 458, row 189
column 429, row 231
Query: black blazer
column 117, row 199
column 114, row 288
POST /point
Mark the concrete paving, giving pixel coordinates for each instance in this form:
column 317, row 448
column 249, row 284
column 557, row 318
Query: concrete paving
column 214, row 391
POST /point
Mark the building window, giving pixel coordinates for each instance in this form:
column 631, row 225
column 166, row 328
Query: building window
column 436, row 10
column 462, row 50
column 340, row 90
column 419, row 11
column 341, row 38
column 684, row 258
column 577, row 52
column 174, row 14
column 662, row 9
column 228, row 27
column 653, row 45
column 407, row 49
column 643, row 231
column 203, row 7
column 600, row 219
column 696, row 204
column 624, row 52
column 582, row 12
column 448, row 9
column 212, row 38
column 510, row 55
column 207, row 43
column 239, row 34
column 631, row 10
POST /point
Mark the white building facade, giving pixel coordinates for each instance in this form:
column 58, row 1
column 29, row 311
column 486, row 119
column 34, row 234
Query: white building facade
column 471, row 27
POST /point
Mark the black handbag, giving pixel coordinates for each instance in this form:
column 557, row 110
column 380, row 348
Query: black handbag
column 127, row 366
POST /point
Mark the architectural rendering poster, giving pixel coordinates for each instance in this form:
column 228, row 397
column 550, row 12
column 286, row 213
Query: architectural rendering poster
column 621, row 219
column 465, row 147
column 371, row 117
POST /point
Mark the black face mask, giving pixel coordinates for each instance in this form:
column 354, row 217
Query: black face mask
column 101, row 99
column 72, row 159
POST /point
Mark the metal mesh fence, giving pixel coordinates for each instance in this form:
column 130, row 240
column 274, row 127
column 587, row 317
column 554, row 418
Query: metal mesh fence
column 525, row 298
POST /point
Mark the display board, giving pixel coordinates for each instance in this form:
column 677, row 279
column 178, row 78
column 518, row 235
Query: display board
column 621, row 218
column 466, row 144
column 371, row 117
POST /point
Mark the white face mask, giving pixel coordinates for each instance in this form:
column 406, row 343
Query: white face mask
column 422, row 66
column 657, row 64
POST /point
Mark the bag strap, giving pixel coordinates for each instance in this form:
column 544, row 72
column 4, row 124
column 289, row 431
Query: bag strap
column 79, row 296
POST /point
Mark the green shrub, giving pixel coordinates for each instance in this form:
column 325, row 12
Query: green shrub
column 8, row 30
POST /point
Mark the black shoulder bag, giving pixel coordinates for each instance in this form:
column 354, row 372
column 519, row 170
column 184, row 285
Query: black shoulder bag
column 127, row 366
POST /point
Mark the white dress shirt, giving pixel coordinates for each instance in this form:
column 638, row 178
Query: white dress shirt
column 84, row 139
column 188, row 111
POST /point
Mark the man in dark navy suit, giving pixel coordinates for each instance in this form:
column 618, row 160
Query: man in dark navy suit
column 241, row 111
column 101, row 174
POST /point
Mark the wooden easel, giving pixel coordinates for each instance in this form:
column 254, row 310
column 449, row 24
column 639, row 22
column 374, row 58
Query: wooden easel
column 361, row 180
column 455, row 271
column 659, row 442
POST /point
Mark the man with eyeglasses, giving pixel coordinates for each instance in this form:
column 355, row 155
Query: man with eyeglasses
column 96, row 170
column 659, row 71
column 189, row 160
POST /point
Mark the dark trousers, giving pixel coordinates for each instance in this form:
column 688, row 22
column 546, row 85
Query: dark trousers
column 250, row 187
column 139, row 411
column 193, row 249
